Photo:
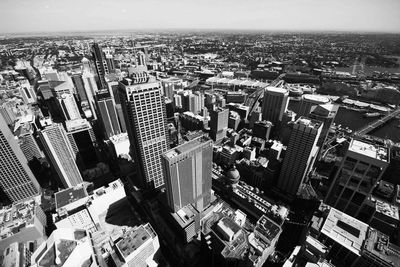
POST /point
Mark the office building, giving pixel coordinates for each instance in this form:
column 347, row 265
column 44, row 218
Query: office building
column 22, row 222
column 16, row 179
column 67, row 247
column 230, row 245
column 262, row 129
column 275, row 103
column 145, row 115
column 91, row 88
column 107, row 113
column 27, row 93
column 61, row 154
column 27, row 142
column 137, row 247
column 301, row 152
column 79, row 87
column 83, row 142
column 187, row 171
column 69, row 107
column 325, row 113
column 309, row 101
column 78, row 208
column 101, row 64
column 360, row 170
column 218, row 123
column 351, row 242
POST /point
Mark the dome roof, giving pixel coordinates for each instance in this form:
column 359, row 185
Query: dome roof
column 233, row 175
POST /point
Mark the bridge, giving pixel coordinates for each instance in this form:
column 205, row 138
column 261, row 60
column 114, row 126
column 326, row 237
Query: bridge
column 252, row 100
column 368, row 128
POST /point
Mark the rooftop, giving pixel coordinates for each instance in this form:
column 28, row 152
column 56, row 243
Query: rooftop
column 277, row 90
column 345, row 230
column 370, row 150
column 186, row 147
column 185, row 215
column 377, row 246
column 70, row 195
column 132, row 240
column 73, row 125
column 387, row 209
column 17, row 217
column 308, row 122
column 320, row 99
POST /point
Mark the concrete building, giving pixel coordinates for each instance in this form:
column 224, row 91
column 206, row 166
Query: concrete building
column 144, row 111
column 360, row 170
column 22, row 222
column 308, row 101
column 67, row 247
column 61, row 154
column 16, row 179
column 77, row 208
column 69, row 107
column 325, row 113
column 137, row 247
column 91, row 88
column 300, row 154
column 275, row 103
column 101, row 64
column 187, row 171
column 83, row 141
column 107, row 113
column 27, row 142
column 218, row 123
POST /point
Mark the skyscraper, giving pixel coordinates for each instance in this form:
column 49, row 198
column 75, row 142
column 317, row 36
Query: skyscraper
column 218, row 123
column 325, row 113
column 275, row 103
column 360, row 170
column 83, row 141
column 309, row 101
column 107, row 113
column 61, row 154
column 187, row 171
column 16, row 179
column 145, row 115
column 101, row 64
column 69, row 107
column 90, row 89
column 301, row 152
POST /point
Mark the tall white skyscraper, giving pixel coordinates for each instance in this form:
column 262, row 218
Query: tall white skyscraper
column 91, row 89
column 61, row 154
column 16, row 179
column 145, row 115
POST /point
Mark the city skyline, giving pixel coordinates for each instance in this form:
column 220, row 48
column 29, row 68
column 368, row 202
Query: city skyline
column 288, row 15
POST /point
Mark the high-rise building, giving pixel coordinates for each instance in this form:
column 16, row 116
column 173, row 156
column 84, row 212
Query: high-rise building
column 309, row 101
column 187, row 171
column 301, row 151
column 61, row 154
column 107, row 113
column 325, row 113
column 275, row 103
column 69, row 107
column 90, row 89
column 28, row 143
column 16, row 179
column 83, row 141
column 79, row 87
column 359, row 172
column 218, row 123
column 145, row 115
column 101, row 64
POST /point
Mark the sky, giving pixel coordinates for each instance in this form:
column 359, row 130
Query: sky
column 24, row 16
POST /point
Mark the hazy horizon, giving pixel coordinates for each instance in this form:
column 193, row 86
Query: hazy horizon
column 54, row 16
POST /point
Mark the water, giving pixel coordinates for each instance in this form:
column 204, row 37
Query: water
column 355, row 120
